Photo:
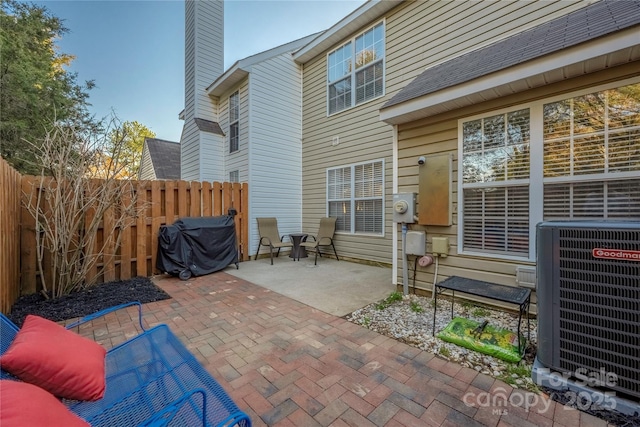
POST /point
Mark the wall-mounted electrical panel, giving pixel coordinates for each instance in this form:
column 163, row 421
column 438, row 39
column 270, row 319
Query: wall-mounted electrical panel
column 404, row 207
column 435, row 193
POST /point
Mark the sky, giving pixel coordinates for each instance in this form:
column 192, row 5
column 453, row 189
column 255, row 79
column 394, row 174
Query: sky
column 134, row 50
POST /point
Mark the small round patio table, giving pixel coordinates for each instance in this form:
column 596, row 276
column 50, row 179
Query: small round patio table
column 298, row 251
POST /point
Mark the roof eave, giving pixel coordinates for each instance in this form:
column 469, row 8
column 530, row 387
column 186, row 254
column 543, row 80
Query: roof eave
column 241, row 68
column 365, row 14
column 226, row 81
column 616, row 49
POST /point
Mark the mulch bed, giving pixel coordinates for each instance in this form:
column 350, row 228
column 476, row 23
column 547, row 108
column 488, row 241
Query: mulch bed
column 87, row 301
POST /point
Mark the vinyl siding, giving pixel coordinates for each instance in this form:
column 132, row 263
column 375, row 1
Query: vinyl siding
column 190, row 151
column 238, row 160
column 189, row 141
column 212, row 158
column 417, row 35
column 363, row 137
column 209, row 34
column 439, row 134
column 147, row 170
column 204, row 61
column 275, row 128
column 423, row 34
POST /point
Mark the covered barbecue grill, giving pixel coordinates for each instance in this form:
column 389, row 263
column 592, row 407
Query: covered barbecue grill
column 197, row 246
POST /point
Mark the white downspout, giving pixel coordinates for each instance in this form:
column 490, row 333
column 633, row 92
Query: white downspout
column 394, row 235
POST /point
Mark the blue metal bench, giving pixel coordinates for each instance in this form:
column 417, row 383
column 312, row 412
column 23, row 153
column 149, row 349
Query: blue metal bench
column 151, row 380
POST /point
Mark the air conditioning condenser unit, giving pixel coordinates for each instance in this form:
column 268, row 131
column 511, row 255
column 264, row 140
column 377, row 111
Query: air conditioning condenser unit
column 588, row 290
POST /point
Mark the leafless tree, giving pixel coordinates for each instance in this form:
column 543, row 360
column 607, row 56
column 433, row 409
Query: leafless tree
column 79, row 206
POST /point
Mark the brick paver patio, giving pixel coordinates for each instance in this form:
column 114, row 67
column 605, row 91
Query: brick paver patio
column 288, row 364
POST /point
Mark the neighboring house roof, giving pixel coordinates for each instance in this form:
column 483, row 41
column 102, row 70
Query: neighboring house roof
column 165, row 156
column 364, row 15
column 242, row 68
column 591, row 22
column 209, row 126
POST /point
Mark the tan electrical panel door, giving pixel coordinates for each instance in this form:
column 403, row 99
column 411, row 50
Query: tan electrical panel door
column 434, row 194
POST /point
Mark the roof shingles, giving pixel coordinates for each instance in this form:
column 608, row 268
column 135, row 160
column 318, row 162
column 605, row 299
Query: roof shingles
column 599, row 19
column 165, row 157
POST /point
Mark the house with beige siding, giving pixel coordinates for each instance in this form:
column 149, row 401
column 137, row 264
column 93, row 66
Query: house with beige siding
column 534, row 106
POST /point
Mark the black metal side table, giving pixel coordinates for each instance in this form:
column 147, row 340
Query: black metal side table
column 298, row 251
column 510, row 294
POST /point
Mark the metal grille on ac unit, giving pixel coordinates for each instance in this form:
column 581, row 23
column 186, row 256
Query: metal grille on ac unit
column 589, row 301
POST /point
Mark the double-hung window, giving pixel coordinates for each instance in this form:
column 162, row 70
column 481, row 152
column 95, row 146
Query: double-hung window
column 357, row 64
column 571, row 158
column 355, row 196
column 234, row 122
column 495, row 183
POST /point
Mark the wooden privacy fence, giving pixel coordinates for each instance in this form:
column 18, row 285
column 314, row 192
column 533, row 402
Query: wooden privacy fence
column 162, row 202
column 10, row 211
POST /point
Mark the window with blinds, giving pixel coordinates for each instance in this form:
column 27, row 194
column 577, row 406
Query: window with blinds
column 359, row 65
column 234, row 122
column 588, row 168
column 355, row 196
column 495, row 171
column 592, row 156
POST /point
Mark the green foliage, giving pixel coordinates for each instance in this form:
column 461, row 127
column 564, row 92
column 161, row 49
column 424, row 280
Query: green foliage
column 35, row 89
column 480, row 312
column 444, row 351
column 395, row 296
column 519, row 371
column 126, row 143
column 415, row 307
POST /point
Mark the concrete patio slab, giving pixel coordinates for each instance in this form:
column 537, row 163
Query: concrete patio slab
column 335, row 287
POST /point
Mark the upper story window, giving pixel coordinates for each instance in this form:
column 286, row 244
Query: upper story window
column 355, row 196
column 234, row 122
column 359, row 65
column 573, row 158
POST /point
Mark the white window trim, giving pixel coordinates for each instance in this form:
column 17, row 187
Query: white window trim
column 536, row 181
column 352, row 40
column 353, row 199
column 237, row 121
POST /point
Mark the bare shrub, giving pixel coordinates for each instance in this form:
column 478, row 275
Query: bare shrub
column 78, row 196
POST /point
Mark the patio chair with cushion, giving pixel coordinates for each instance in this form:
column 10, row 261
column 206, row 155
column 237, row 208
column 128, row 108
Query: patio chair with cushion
column 323, row 238
column 270, row 236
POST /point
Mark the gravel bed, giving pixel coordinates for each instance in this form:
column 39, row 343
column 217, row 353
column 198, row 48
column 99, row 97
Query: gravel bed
column 410, row 320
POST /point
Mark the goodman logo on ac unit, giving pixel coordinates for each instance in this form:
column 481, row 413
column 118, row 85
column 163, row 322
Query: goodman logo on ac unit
column 616, row 254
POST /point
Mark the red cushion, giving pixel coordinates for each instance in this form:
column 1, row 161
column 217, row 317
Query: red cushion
column 64, row 363
column 24, row 404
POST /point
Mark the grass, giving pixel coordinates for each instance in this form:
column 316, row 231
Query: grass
column 480, row 312
column 394, row 297
column 415, row 307
column 444, row 351
column 520, row 370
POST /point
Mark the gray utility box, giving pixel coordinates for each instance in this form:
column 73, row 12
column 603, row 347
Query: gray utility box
column 404, row 207
column 588, row 289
